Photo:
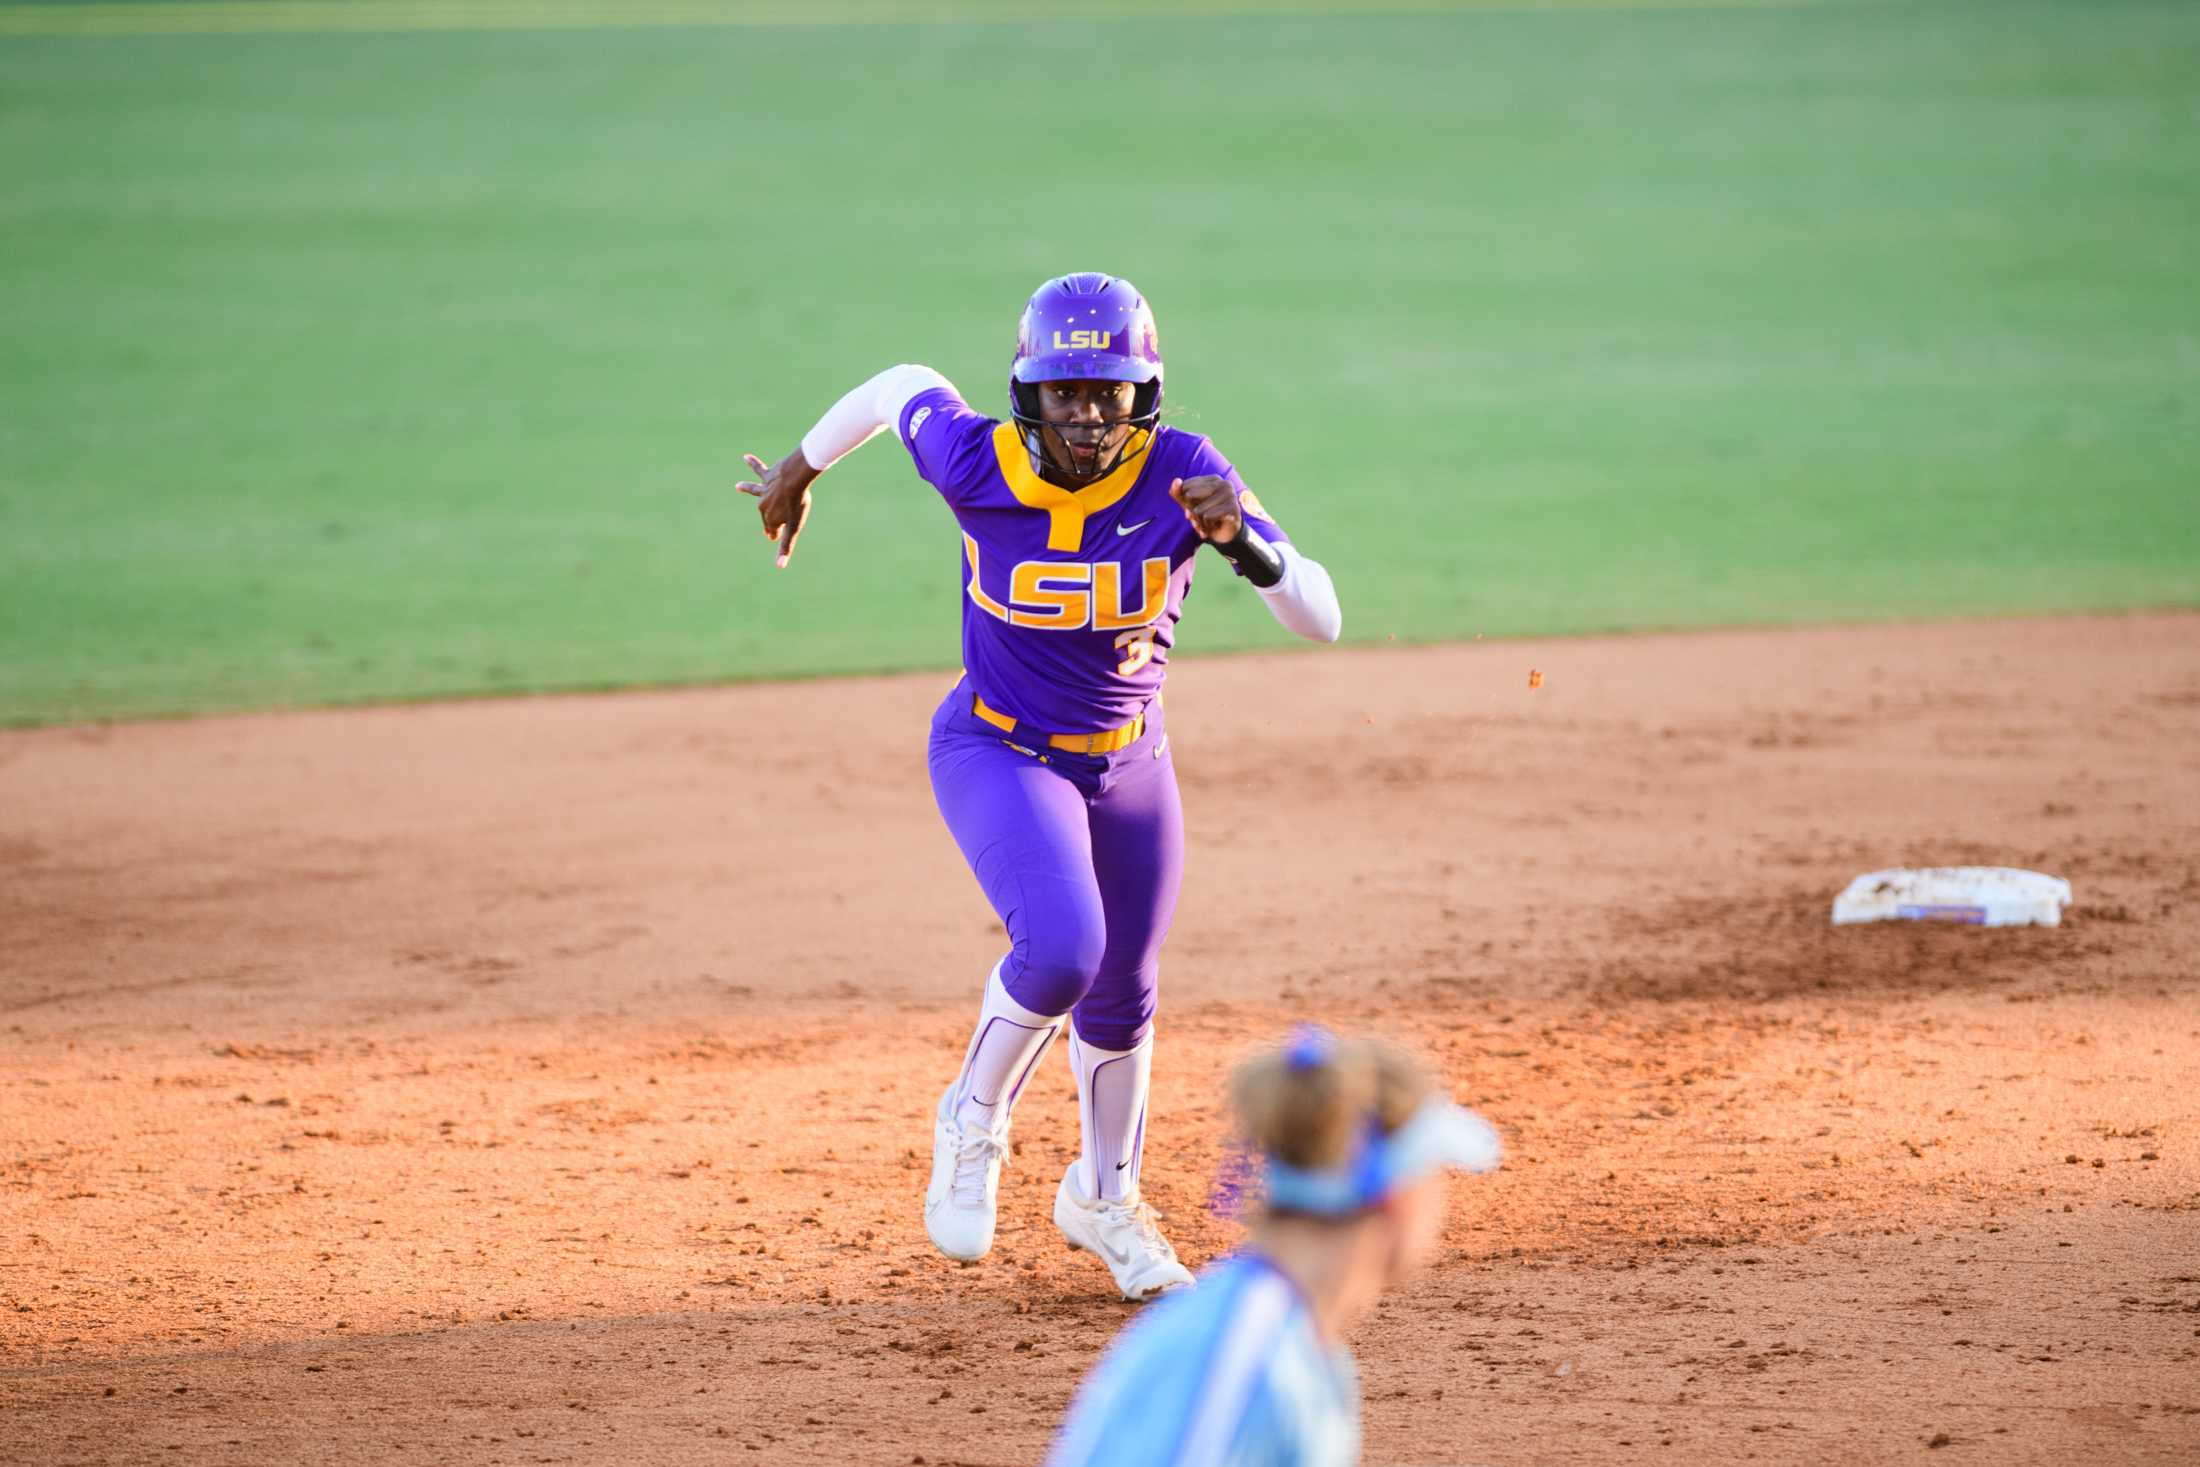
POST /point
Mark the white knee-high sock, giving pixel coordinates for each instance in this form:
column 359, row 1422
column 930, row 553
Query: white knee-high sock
column 1004, row 1049
column 1111, row 1114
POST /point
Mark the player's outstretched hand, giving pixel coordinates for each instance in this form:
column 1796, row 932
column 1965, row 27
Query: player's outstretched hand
column 1211, row 505
column 782, row 493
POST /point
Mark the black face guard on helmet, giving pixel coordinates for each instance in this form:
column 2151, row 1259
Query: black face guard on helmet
column 1023, row 405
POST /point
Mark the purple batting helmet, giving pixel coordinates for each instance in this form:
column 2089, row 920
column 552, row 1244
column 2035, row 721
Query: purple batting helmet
column 1085, row 327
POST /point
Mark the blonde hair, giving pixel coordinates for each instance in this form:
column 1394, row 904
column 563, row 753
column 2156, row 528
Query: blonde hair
column 1306, row 1109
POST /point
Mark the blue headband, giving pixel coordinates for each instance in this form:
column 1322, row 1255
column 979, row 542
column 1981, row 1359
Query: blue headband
column 1353, row 1185
column 1437, row 1135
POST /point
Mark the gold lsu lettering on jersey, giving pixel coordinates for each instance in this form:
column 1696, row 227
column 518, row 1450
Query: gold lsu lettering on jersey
column 1072, row 596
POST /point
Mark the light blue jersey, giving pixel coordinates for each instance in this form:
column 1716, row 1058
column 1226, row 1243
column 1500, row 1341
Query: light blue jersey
column 1226, row 1374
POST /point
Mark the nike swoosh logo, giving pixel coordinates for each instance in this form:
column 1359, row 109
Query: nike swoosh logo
column 1122, row 530
column 1121, row 1164
column 1120, row 1260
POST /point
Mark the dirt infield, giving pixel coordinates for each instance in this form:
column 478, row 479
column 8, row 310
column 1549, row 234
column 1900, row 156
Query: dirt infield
column 547, row 1081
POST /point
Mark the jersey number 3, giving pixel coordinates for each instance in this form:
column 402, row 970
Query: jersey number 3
column 1136, row 645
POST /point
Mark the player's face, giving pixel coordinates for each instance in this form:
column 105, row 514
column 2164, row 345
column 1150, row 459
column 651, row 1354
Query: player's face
column 1417, row 1214
column 1087, row 424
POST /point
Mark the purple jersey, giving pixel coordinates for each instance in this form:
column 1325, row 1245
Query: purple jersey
column 1070, row 597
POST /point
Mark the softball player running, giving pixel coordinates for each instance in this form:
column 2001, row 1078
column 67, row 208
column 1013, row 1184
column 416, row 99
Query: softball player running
column 1081, row 518
column 1249, row 1369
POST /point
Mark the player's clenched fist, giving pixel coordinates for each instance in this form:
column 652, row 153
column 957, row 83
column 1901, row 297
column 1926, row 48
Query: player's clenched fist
column 1211, row 505
column 782, row 498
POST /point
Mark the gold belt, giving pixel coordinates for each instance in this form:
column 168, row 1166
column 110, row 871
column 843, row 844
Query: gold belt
column 1107, row 741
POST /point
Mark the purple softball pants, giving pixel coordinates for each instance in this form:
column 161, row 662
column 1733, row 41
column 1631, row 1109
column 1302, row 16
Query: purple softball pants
column 1080, row 855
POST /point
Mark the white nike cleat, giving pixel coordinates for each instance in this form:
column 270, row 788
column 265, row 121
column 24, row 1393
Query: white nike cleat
column 1126, row 1236
column 960, row 1204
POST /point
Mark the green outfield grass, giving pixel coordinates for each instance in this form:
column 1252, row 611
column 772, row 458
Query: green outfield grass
column 341, row 366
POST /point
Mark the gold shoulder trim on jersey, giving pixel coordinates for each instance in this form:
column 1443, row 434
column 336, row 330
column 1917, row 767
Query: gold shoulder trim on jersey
column 1067, row 509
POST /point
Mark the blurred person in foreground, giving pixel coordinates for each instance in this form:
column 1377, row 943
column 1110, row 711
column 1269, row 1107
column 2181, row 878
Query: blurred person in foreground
column 1351, row 1142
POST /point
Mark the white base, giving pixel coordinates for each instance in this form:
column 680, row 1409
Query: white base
column 1977, row 896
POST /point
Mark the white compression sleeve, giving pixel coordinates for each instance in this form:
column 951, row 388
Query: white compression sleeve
column 1004, row 1050
column 865, row 412
column 1111, row 1114
column 1304, row 601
